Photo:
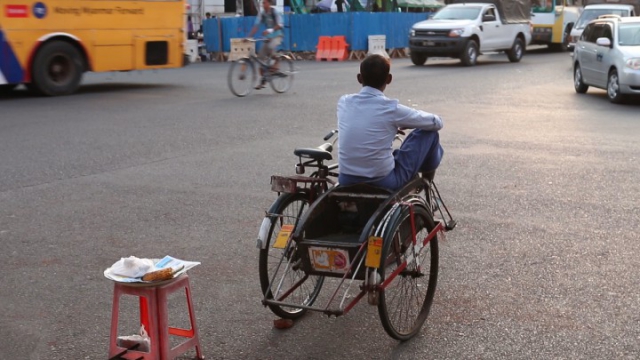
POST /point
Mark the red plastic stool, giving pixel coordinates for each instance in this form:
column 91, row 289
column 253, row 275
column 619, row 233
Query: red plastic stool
column 155, row 318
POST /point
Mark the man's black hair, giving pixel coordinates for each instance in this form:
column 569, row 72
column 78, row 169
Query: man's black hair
column 374, row 71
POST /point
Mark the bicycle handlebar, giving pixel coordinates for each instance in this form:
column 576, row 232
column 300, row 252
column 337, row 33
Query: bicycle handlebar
column 329, row 135
column 255, row 40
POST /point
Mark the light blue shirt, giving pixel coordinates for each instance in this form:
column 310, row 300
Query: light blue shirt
column 367, row 123
column 270, row 20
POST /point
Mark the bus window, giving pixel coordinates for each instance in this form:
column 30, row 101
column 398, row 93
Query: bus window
column 542, row 6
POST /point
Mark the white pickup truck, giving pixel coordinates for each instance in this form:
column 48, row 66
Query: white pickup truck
column 467, row 29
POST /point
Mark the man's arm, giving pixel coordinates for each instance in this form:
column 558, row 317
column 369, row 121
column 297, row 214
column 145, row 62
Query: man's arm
column 278, row 18
column 253, row 30
column 256, row 25
column 409, row 118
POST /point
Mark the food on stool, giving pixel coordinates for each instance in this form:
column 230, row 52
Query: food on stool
column 158, row 275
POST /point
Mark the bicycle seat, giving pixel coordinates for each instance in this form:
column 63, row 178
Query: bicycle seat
column 322, row 152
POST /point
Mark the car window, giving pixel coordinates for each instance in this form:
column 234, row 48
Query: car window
column 457, row 13
column 587, row 31
column 592, row 14
column 629, row 35
column 607, row 32
column 490, row 12
column 594, row 34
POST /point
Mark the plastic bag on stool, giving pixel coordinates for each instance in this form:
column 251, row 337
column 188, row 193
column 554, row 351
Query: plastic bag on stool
column 132, row 267
column 143, row 341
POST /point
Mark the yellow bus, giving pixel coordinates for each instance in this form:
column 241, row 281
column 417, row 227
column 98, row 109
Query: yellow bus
column 48, row 44
column 552, row 22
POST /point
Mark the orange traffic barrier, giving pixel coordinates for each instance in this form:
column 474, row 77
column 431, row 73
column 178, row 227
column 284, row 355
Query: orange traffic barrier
column 332, row 48
column 323, row 48
column 339, row 48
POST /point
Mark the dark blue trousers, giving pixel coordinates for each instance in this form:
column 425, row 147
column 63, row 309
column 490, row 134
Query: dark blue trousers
column 420, row 152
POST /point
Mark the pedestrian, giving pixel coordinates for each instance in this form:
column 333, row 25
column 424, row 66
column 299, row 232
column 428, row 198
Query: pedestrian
column 190, row 34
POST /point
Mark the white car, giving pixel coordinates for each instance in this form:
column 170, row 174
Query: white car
column 592, row 12
column 607, row 56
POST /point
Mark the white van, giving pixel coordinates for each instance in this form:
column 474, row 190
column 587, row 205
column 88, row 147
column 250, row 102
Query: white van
column 592, row 12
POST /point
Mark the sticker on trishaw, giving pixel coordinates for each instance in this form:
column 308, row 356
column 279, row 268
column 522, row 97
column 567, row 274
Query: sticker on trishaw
column 374, row 252
column 329, row 259
column 283, row 237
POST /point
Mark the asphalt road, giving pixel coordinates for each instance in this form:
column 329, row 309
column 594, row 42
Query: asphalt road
column 543, row 182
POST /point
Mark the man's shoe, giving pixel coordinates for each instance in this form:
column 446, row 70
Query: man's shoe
column 261, row 85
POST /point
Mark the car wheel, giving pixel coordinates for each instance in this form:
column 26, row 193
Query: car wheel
column 580, row 86
column 516, row 51
column 469, row 56
column 613, row 88
column 418, row 58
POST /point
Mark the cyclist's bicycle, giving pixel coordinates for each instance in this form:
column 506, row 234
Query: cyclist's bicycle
column 243, row 73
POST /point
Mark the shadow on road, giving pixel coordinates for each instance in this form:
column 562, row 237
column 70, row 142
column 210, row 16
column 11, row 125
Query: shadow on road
column 22, row 92
column 595, row 94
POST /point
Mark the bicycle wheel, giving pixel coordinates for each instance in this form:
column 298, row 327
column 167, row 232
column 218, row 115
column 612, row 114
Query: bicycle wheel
column 405, row 303
column 273, row 260
column 281, row 81
column 241, row 77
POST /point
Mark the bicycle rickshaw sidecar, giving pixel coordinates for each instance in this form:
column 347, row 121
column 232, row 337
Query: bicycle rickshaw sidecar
column 385, row 241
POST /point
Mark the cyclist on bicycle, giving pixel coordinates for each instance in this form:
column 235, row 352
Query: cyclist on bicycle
column 272, row 20
column 368, row 122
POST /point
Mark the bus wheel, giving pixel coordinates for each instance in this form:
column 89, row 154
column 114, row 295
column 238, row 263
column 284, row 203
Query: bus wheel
column 7, row 88
column 57, row 69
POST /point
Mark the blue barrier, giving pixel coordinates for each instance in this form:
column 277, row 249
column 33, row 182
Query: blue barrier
column 306, row 28
column 365, row 24
column 211, row 32
column 398, row 34
column 301, row 31
column 305, row 35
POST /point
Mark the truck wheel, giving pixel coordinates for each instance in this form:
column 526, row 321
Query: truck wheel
column 516, row 51
column 469, row 55
column 57, row 69
column 418, row 58
column 564, row 45
column 565, row 38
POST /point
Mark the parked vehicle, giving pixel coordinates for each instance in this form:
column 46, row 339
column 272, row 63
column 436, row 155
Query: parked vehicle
column 591, row 12
column 634, row 3
column 467, row 29
column 553, row 21
column 607, row 56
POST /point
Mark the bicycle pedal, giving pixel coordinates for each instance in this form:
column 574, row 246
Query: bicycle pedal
column 450, row 225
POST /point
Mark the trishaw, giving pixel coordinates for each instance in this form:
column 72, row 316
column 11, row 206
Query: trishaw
column 376, row 243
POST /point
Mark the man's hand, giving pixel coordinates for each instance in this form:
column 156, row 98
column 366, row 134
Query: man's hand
column 267, row 32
